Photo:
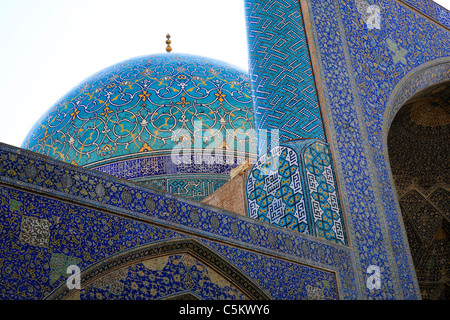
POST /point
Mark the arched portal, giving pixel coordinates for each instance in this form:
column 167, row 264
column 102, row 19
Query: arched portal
column 178, row 269
column 418, row 147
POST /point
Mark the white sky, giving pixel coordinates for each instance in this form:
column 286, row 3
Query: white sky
column 49, row 46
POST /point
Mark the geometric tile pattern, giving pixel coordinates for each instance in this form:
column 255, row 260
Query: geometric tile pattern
column 283, row 89
column 274, row 190
column 293, row 186
column 323, row 195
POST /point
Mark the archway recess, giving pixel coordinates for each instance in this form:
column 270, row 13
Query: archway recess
column 418, row 150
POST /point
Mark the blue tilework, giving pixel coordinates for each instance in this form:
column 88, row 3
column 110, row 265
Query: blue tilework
column 151, row 166
column 315, row 284
column 275, row 192
column 139, row 104
column 379, row 72
column 424, row 6
column 174, row 275
column 148, row 107
column 353, row 164
column 190, row 180
column 283, row 88
column 55, row 214
column 432, row 10
column 294, row 186
column 442, row 15
column 323, row 194
column 360, row 67
column 35, row 255
column 434, row 71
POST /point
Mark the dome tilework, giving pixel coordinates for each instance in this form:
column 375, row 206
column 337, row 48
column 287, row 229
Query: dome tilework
column 127, row 120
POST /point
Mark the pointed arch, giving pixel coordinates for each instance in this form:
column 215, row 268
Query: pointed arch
column 416, row 132
column 181, row 246
column 418, row 79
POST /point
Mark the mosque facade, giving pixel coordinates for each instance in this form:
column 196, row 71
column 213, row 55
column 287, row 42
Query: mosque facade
column 321, row 174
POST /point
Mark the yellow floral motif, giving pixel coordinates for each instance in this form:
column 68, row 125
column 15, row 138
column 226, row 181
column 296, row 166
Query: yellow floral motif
column 74, row 113
column 106, row 111
column 220, row 96
column 106, row 148
column 183, row 102
column 144, row 96
column 145, row 147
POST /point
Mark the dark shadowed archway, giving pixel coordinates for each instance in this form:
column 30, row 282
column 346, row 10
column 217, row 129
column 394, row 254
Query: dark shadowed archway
column 418, row 146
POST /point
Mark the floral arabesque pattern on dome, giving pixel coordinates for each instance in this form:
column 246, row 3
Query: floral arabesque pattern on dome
column 147, row 107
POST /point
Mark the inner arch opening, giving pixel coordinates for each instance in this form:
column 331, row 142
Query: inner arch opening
column 418, row 146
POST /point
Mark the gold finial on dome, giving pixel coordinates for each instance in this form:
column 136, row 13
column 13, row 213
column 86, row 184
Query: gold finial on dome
column 168, row 42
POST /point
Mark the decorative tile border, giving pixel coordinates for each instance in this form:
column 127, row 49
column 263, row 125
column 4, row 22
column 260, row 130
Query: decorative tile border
column 419, row 78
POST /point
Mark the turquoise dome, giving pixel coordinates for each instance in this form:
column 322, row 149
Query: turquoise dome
column 175, row 122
